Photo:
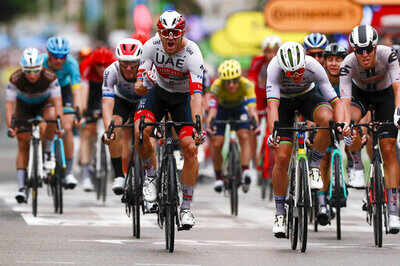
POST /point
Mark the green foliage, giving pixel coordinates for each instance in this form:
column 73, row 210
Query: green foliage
column 9, row 9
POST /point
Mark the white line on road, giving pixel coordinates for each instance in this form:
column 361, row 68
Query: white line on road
column 159, row 264
column 46, row 262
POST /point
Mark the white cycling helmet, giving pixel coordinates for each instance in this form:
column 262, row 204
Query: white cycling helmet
column 291, row 56
column 129, row 50
column 31, row 58
column 171, row 20
column 363, row 36
column 271, row 42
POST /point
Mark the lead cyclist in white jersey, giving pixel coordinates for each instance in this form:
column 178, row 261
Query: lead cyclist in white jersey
column 176, row 86
column 371, row 76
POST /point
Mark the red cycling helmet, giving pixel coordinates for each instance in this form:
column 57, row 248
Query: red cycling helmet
column 103, row 56
column 171, row 20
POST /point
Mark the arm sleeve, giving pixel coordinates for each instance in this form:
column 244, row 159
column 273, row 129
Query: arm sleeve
column 55, row 89
column 11, row 92
column 75, row 74
column 345, row 83
column 146, row 62
column 394, row 69
column 196, row 70
column 109, row 80
column 255, row 66
column 250, row 94
column 323, row 82
column 273, row 92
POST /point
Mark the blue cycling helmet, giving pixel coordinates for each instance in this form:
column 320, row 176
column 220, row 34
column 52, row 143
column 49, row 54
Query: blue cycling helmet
column 58, row 46
column 31, row 58
column 315, row 40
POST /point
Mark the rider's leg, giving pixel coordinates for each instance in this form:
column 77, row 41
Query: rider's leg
column 68, row 139
column 22, row 157
column 217, row 143
column 85, row 151
column 126, row 148
column 115, row 148
column 49, row 132
column 245, row 157
column 190, row 170
column 280, row 177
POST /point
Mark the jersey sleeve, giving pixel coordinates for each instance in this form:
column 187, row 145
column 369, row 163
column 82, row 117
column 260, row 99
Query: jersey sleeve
column 109, row 80
column 250, row 93
column 55, row 89
column 273, row 92
column 146, row 61
column 213, row 103
column 394, row 69
column 255, row 67
column 11, row 92
column 75, row 74
column 195, row 67
column 322, row 79
column 345, row 74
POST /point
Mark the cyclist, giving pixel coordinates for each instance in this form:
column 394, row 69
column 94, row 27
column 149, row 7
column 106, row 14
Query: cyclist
column 174, row 86
column 258, row 74
column 314, row 44
column 371, row 76
column 66, row 68
column 291, row 78
column 119, row 103
column 33, row 90
column 92, row 70
column 230, row 94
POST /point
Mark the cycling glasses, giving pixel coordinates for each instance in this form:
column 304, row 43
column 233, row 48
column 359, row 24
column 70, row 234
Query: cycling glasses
column 361, row 50
column 299, row 72
column 175, row 33
column 126, row 64
column 229, row 81
column 59, row 56
column 317, row 54
column 31, row 70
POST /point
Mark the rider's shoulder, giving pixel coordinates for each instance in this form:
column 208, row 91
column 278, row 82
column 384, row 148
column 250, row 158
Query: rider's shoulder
column 246, row 83
column 192, row 48
column 49, row 74
column 15, row 76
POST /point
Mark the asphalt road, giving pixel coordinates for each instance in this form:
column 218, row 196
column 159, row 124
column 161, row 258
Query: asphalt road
column 89, row 233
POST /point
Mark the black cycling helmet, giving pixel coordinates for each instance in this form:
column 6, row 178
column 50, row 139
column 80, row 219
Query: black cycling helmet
column 335, row 49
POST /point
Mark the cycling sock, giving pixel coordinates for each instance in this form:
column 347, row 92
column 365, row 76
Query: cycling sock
column 392, row 199
column 245, row 167
column 321, row 198
column 69, row 166
column 187, row 192
column 218, row 175
column 357, row 161
column 117, row 165
column 315, row 158
column 21, row 173
column 280, row 205
column 85, row 170
column 48, row 145
column 151, row 171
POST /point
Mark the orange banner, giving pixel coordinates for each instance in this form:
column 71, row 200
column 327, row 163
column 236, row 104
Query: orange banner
column 377, row 2
column 327, row 16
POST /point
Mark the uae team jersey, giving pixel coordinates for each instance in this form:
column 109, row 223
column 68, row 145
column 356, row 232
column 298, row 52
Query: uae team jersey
column 69, row 72
column 181, row 72
column 280, row 86
column 114, row 84
column 385, row 72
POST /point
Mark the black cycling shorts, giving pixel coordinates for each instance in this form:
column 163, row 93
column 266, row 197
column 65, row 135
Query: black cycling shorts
column 383, row 104
column 94, row 99
column 24, row 111
column 67, row 99
column 124, row 108
column 306, row 104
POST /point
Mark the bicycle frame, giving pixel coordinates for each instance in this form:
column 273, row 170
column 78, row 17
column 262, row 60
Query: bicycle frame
column 35, row 140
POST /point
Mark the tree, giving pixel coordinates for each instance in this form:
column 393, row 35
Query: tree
column 12, row 8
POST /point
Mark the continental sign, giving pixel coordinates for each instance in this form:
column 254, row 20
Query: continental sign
column 377, row 2
column 328, row 16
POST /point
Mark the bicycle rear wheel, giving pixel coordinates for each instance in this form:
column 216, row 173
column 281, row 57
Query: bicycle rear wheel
column 304, row 202
column 171, row 205
column 378, row 195
column 338, row 195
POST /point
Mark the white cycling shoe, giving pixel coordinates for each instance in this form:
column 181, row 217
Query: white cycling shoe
column 394, row 224
column 218, row 185
column 70, row 182
column 315, row 178
column 187, row 219
column 356, row 178
column 246, row 180
column 118, row 185
column 279, row 227
column 87, row 184
column 149, row 189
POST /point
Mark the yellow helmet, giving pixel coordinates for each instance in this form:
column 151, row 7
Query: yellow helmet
column 229, row 69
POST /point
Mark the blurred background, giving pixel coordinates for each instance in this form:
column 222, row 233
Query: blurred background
column 222, row 28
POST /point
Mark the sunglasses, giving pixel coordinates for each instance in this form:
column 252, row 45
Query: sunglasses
column 361, row 50
column 299, row 72
column 317, row 54
column 59, row 56
column 32, row 71
column 175, row 33
column 229, row 81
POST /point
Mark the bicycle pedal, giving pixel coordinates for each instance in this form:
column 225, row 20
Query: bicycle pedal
column 184, row 227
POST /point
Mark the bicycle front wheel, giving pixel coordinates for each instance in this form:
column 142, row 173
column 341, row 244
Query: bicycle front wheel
column 137, row 199
column 378, row 195
column 171, row 205
column 338, row 195
column 59, row 174
column 34, row 180
column 234, row 177
column 292, row 226
column 104, row 172
column 304, row 204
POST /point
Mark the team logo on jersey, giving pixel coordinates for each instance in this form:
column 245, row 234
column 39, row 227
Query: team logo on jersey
column 162, row 60
column 392, row 57
column 344, row 70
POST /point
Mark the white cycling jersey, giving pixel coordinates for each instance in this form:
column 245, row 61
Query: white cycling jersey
column 181, row 72
column 380, row 77
column 280, row 86
column 115, row 84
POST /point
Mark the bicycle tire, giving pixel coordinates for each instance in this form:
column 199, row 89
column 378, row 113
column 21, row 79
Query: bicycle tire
column 234, row 177
column 314, row 210
column 304, row 200
column 59, row 175
column 293, row 222
column 171, row 204
column 104, row 177
column 137, row 192
column 34, row 180
column 378, row 202
column 338, row 195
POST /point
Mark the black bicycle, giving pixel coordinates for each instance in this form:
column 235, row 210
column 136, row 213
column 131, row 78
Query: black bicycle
column 376, row 205
column 56, row 177
column 132, row 196
column 168, row 196
column 234, row 175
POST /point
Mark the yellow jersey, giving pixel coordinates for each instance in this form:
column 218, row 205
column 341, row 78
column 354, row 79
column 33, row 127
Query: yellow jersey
column 245, row 94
